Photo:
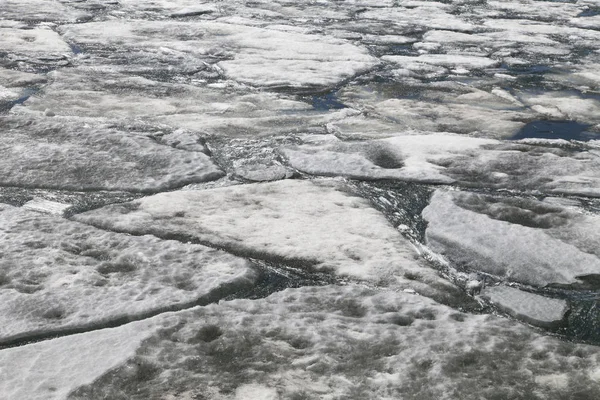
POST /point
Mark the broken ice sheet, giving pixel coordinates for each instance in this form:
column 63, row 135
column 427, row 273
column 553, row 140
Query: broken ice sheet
column 57, row 153
column 256, row 56
column 301, row 223
column 104, row 94
column 348, row 342
column 62, row 276
column 520, row 240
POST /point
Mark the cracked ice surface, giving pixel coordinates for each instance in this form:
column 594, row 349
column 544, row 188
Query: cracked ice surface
column 102, row 102
column 292, row 220
column 59, row 275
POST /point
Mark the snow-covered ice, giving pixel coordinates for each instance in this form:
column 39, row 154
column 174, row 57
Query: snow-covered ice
column 546, row 166
column 179, row 178
column 60, row 276
column 54, row 153
column 314, row 223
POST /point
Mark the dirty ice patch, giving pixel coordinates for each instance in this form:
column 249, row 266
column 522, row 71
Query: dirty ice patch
column 519, row 240
column 62, row 276
column 50, row 370
column 256, row 56
column 292, row 221
column 347, row 342
column 55, row 153
column 407, row 157
column 531, row 165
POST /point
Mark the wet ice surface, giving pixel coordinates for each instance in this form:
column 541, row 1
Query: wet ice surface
column 385, row 161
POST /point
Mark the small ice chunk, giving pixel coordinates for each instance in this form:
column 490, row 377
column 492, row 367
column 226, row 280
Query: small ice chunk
column 47, row 206
column 529, row 307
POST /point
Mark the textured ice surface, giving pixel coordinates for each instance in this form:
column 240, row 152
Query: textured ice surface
column 104, row 94
column 257, row 56
column 548, row 166
column 57, row 275
column 521, row 240
column 290, row 220
column 55, row 153
column 41, row 10
column 51, row 370
column 33, row 41
column 532, row 308
column 348, row 342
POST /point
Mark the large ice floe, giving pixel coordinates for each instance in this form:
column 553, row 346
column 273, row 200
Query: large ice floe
column 62, row 276
column 295, row 221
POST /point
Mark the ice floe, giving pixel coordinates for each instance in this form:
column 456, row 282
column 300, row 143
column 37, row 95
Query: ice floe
column 529, row 307
column 520, row 240
column 223, row 109
column 51, row 370
column 54, row 153
column 62, row 276
column 530, row 165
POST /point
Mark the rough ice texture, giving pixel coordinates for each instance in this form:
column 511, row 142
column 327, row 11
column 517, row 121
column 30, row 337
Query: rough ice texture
column 54, row 153
column 50, row 370
column 11, row 78
column 410, row 157
column 291, row 220
column 532, row 308
column 348, row 343
column 98, row 93
column 262, row 57
column 521, row 240
column 546, row 166
column 443, row 107
column 41, row 11
column 58, row 276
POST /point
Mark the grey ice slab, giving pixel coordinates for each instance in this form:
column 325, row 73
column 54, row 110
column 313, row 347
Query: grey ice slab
column 532, row 308
column 347, row 342
column 103, row 93
column 521, row 240
column 62, row 154
column 61, row 276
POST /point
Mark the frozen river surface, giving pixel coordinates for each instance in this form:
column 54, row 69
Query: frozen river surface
column 301, row 199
